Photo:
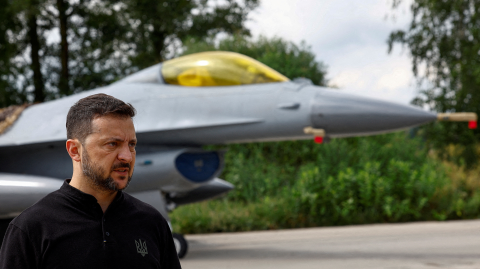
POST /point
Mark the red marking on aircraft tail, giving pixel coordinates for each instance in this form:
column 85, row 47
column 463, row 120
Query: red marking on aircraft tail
column 318, row 139
column 472, row 124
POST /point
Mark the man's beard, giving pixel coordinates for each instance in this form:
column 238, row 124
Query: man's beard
column 95, row 174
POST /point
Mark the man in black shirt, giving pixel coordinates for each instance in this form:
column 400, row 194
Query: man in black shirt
column 89, row 222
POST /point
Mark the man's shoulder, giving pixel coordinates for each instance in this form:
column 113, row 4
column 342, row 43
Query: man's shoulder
column 142, row 207
column 38, row 212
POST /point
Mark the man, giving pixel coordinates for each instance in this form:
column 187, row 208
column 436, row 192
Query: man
column 89, row 222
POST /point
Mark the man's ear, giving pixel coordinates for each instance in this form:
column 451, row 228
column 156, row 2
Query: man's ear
column 74, row 148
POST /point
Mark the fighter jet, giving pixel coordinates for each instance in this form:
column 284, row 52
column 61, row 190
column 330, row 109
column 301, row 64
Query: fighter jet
column 183, row 104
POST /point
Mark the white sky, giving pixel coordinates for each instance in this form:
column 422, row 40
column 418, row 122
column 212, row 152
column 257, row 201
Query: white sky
column 349, row 37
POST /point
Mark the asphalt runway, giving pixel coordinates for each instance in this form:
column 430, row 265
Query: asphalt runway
column 452, row 244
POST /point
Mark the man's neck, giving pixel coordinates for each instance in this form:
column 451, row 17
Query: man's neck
column 104, row 198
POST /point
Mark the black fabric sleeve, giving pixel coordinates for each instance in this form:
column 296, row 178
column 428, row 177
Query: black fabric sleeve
column 170, row 258
column 17, row 250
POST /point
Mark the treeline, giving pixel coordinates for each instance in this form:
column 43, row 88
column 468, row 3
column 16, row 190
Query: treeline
column 53, row 48
column 443, row 40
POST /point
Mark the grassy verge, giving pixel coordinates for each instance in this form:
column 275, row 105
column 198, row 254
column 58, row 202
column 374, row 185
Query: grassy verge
column 388, row 178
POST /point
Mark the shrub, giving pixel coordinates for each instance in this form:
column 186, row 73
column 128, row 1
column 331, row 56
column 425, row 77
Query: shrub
column 386, row 178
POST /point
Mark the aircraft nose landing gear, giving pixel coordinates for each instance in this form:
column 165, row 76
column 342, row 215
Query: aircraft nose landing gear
column 181, row 245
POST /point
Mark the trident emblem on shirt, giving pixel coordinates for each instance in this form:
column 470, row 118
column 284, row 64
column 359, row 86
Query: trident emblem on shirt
column 141, row 247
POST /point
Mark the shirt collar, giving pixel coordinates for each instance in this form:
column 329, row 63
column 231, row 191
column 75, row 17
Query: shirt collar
column 77, row 194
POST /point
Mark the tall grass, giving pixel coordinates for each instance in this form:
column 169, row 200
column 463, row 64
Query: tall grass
column 386, row 178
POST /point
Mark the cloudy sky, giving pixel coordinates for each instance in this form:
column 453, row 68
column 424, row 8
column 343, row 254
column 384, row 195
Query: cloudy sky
column 349, row 37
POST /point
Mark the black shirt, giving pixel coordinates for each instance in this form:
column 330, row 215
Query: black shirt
column 68, row 229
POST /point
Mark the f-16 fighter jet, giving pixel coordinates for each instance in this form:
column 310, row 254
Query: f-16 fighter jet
column 183, row 104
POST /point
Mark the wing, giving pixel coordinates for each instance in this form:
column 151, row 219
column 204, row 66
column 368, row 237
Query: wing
column 18, row 192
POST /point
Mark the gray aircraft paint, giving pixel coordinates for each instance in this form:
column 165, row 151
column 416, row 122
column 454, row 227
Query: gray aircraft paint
column 17, row 192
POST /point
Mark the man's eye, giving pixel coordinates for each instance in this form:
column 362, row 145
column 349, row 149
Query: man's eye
column 133, row 145
column 113, row 144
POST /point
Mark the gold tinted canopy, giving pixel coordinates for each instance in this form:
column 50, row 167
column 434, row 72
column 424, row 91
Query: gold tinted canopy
column 218, row 68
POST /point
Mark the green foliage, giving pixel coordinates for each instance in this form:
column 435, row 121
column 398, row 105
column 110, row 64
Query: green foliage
column 9, row 93
column 386, row 178
column 20, row 21
column 157, row 27
column 444, row 41
column 286, row 57
column 33, row 69
column 100, row 41
column 226, row 216
column 399, row 193
column 282, row 161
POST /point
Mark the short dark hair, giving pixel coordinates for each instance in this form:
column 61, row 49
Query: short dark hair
column 83, row 112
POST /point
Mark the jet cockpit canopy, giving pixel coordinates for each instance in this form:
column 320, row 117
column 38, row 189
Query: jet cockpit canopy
column 217, row 68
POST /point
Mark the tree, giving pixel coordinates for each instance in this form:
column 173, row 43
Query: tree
column 444, row 42
column 34, row 40
column 158, row 28
column 24, row 48
column 288, row 58
column 87, row 54
column 8, row 90
column 99, row 41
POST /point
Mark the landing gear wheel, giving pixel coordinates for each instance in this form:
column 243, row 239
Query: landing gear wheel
column 181, row 245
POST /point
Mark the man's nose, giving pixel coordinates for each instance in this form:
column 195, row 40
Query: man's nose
column 125, row 155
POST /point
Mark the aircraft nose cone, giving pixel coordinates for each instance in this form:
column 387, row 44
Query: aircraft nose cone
column 342, row 115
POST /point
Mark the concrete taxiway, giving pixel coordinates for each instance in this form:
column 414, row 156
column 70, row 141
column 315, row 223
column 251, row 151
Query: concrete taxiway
column 452, row 244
